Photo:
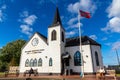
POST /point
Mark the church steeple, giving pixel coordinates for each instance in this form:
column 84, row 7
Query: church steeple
column 57, row 17
column 56, row 20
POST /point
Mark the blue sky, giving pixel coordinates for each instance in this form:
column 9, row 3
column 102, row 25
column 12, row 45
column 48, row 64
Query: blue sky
column 19, row 19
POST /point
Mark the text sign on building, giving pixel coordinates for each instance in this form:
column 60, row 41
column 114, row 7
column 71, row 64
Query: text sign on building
column 34, row 51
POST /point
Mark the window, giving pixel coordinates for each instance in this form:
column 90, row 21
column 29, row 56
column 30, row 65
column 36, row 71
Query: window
column 97, row 59
column 62, row 36
column 40, row 62
column 35, row 62
column 77, row 59
column 27, row 63
column 50, row 62
column 53, row 36
column 31, row 63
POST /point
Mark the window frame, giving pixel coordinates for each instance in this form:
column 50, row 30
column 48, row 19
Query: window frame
column 97, row 59
column 77, row 59
column 35, row 62
column 39, row 62
column 31, row 63
column 54, row 35
column 50, row 62
column 27, row 63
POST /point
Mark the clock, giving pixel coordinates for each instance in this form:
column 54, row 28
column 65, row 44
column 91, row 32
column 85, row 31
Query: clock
column 35, row 42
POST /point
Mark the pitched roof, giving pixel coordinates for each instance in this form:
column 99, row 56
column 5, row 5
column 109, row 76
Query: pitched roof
column 42, row 36
column 76, row 41
column 56, row 20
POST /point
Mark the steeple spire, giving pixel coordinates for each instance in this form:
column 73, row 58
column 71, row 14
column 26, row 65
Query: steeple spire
column 57, row 17
column 56, row 20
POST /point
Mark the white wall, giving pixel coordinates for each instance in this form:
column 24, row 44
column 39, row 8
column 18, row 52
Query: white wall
column 97, row 49
column 56, row 48
column 53, row 50
column 88, row 64
column 28, row 47
column 72, row 51
column 88, row 61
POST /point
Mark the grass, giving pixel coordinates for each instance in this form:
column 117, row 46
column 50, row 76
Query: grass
column 2, row 74
column 118, row 75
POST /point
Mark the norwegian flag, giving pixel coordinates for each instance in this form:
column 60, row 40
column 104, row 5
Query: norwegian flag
column 85, row 14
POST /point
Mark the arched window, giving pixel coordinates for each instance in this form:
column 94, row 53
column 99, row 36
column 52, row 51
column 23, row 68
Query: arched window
column 77, row 59
column 53, row 35
column 50, row 62
column 62, row 36
column 40, row 62
column 31, row 63
column 97, row 59
column 35, row 62
column 27, row 63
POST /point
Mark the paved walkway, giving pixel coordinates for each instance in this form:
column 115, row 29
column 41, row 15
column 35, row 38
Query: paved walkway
column 73, row 77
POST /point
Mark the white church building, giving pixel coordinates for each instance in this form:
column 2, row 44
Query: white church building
column 56, row 54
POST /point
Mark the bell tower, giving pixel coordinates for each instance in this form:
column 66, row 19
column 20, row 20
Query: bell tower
column 56, row 32
column 56, row 40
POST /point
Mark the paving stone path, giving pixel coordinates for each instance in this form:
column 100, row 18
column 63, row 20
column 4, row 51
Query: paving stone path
column 74, row 77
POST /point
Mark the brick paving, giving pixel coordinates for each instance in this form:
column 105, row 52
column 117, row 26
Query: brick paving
column 58, row 77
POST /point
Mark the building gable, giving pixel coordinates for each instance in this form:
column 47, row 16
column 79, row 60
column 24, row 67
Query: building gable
column 37, row 40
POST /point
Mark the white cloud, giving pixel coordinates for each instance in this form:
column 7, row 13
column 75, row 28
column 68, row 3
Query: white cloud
column 74, row 26
column 108, row 44
column 3, row 7
column 94, row 37
column 2, row 13
column 26, row 30
column 27, row 21
column 69, row 34
column 116, row 45
column 1, row 16
column 104, row 38
column 30, row 19
column 114, row 9
column 73, row 8
column 72, row 20
column 113, row 25
column 24, row 14
column 86, row 5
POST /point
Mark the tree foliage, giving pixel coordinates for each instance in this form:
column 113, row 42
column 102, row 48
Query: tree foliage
column 11, row 52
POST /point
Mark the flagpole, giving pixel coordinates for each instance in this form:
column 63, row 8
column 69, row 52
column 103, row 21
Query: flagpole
column 80, row 35
column 117, row 57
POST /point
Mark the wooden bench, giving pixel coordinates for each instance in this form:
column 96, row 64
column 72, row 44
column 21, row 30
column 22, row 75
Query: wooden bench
column 111, row 73
column 35, row 72
column 13, row 70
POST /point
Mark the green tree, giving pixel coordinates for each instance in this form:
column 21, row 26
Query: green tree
column 12, row 52
column 0, row 50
